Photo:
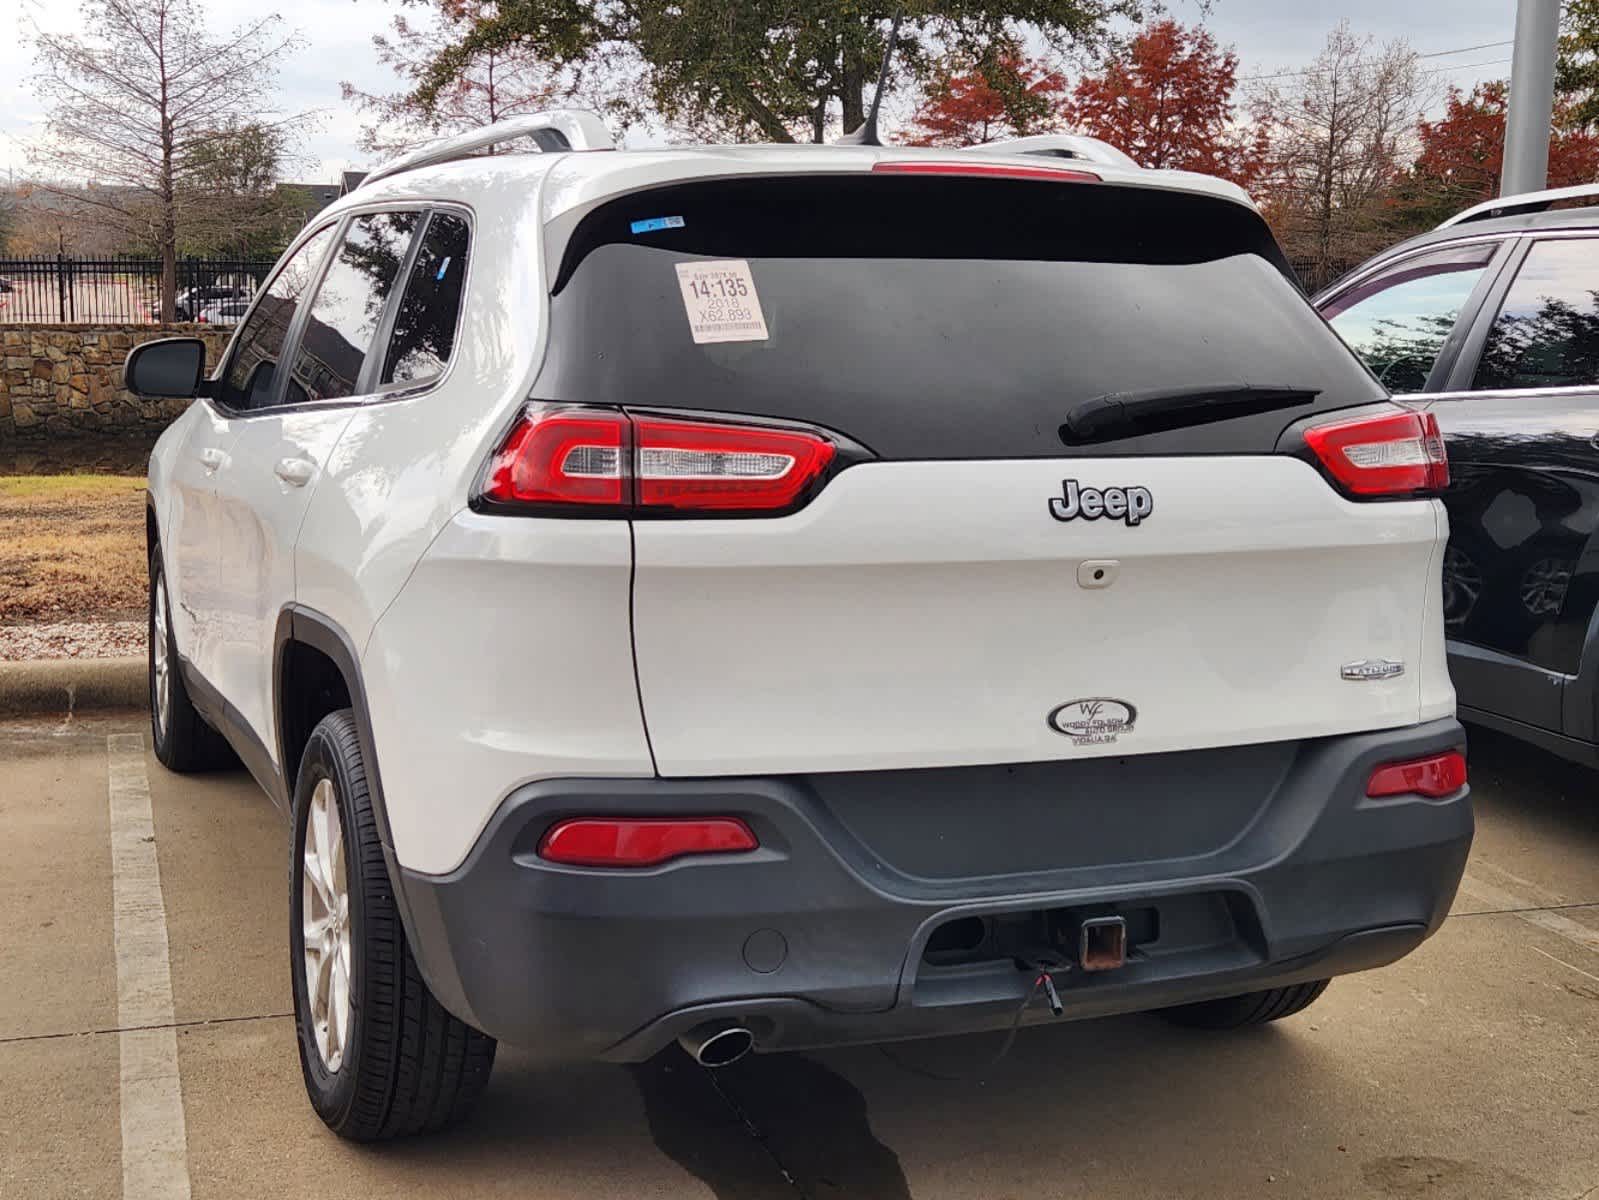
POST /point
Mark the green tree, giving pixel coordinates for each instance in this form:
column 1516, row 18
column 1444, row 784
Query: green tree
column 1577, row 67
column 769, row 69
column 231, row 203
column 498, row 82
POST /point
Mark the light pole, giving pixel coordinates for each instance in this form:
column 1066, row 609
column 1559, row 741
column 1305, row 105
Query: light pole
column 1532, row 97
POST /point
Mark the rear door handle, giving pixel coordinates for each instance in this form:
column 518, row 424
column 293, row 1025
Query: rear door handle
column 296, row 472
column 213, row 459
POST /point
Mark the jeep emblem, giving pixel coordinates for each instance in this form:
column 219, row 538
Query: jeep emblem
column 1131, row 504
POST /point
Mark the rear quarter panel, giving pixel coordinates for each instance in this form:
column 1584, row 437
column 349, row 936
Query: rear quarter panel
column 406, row 462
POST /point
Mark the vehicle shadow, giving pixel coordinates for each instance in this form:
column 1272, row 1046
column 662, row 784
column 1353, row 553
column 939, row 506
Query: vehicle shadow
column 835, row 1123
column 1548, row 796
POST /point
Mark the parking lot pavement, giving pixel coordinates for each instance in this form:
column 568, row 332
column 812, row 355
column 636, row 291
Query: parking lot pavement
column 1471, row 1069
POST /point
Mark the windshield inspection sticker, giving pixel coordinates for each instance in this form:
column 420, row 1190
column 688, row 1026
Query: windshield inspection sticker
column 720, row 300
column 656, row 224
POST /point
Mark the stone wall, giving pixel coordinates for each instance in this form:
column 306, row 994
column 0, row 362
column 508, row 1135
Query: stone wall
column 65, row 381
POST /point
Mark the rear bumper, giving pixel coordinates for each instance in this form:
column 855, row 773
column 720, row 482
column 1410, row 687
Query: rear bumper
column 815, row 939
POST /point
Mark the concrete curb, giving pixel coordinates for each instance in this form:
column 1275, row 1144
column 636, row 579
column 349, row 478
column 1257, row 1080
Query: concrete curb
column 66, row 685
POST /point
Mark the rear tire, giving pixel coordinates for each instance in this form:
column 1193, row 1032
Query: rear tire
column 183, row 740
column 1252, row 1008
column 386, row 1059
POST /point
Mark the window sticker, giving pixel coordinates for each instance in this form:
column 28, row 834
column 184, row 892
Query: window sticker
column 720, row 300
column 655, row 224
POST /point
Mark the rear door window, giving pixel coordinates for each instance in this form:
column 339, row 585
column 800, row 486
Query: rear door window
column 349, row 306
column 251, row 378
column 430, row 309
column 1399, row 319
column 1547, row 331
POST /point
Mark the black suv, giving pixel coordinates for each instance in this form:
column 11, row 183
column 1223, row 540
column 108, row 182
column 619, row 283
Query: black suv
column 1491, row 322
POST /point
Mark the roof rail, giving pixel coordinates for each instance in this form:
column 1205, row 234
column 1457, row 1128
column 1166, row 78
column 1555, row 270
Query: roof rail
column 1060, row 145
column 555, row 130
column 1504, row 206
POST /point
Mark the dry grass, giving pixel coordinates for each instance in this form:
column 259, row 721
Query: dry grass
column 71, row 547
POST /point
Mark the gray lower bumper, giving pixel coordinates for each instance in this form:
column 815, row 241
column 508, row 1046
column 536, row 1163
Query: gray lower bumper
column 815, row 939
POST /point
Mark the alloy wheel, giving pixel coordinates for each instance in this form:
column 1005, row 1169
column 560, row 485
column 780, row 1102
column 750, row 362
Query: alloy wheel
column 160, row 656
column 325, row 926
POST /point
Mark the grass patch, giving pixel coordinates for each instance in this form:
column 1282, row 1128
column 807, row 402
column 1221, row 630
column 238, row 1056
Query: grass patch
column 71, row 547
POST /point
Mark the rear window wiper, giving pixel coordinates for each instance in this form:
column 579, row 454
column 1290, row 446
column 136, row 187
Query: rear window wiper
column 1130, row 414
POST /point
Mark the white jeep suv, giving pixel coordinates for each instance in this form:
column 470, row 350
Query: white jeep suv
column 772, row 597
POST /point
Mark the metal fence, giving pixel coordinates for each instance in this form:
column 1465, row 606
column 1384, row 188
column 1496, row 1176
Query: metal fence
column 1315, row 274
column 48, row 289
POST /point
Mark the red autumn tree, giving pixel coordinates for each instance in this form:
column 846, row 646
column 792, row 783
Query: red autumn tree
column 1167, row 100
column 1463, row 152
column 968, row 104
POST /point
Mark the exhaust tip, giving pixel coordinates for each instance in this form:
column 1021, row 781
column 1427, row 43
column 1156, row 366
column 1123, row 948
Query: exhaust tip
column 717, row 1045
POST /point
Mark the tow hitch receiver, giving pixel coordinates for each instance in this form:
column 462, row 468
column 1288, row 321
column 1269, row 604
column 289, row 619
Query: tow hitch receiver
column 1102, row 944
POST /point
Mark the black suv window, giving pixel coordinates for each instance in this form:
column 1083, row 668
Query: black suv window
column 430, row 309
column 349, row 304
column 1398, row 320
column 251, row 372
column 1547, row 330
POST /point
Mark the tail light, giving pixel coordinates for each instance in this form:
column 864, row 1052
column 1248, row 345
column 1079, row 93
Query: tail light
column 1435, row 777
column 610, row 463
column 642, row 841
column 1390, row 454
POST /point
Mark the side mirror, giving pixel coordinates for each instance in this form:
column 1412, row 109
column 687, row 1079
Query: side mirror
column 168, row 367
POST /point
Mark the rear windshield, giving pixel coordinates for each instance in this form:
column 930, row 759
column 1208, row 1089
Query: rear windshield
column 937, row 317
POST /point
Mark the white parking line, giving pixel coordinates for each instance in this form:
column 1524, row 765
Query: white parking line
column 1496, row 897
column 154, row 1147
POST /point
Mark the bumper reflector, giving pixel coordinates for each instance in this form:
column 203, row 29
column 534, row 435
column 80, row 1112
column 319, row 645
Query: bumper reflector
column 1437, row 776
column 642, row 841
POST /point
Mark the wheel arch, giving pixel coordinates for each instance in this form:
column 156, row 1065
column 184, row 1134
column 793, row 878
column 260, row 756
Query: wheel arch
column 316, row 670
column 305, row 640
column 1580, row 695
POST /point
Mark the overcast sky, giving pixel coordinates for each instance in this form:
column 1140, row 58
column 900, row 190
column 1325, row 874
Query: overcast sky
column 1269, row 35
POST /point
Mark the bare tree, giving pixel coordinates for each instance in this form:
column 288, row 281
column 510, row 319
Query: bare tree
column 144, row 103
column 494, row 83
column 1340, row 133
column 53, row 220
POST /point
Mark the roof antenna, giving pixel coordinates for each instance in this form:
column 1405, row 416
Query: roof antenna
column 866, row 135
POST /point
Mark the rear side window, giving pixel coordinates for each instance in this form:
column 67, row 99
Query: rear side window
column 1399, row 319
column 349, row 304
column 250, row 381
column 1547, row 330
column 430, row 309
column 937, row 317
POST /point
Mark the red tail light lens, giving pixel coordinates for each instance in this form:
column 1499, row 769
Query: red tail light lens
column 614, row 464
column 1435, row 777
column 989, row 170
column 561, row 456
column 642, row 841
column 1391, row 454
